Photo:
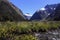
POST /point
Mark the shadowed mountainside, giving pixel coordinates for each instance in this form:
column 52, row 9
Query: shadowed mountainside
column 9, row 12
column 48, row 13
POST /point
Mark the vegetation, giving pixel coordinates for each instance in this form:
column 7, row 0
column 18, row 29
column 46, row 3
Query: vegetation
column 24, row 30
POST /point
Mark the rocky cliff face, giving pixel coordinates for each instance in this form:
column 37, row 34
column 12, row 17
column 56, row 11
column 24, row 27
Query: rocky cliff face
column 9, row 12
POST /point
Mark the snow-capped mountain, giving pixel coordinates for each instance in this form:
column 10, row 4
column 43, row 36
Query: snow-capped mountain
column 28, row 16
column 44, row 13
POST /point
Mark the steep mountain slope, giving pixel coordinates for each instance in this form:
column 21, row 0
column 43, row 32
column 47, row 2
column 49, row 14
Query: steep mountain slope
column 47, row 13
column 38, row 15
column 56, row 15
column 10, row 12
column 41, row 14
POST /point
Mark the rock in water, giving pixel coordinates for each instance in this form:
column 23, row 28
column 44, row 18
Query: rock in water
column 9, row 12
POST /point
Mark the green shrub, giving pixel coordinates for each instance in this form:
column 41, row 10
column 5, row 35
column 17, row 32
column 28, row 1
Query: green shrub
column 25, row 37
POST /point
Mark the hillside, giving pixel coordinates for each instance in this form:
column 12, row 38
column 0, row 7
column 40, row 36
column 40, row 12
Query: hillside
column 9, row 11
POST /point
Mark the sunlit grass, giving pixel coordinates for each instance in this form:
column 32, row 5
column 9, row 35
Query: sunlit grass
column 16, row 30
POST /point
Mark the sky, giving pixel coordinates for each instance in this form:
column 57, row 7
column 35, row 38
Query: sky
column 31, row 6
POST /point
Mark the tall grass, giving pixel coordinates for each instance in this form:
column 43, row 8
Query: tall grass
column 16, row 30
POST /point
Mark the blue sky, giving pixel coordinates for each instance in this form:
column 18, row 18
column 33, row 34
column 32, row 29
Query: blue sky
column 30, row 6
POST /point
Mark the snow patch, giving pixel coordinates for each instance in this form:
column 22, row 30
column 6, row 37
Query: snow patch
column 28, row 15
column 42, row 9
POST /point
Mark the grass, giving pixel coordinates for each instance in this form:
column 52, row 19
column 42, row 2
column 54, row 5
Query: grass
column 25, row 30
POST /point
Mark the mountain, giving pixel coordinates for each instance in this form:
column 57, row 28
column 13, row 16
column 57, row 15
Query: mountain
column 41, row 14
column 36, row 16
column 56, row 15
column 44, row 13
column 28, row 16
column 9, row 12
